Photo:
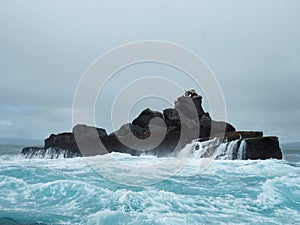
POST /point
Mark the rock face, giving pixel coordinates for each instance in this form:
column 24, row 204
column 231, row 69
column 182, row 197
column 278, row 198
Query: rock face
column 263, row 148
column 63, row 140
column 172, row 118
column 145, row 117
column 89, row 138
column 156, row 133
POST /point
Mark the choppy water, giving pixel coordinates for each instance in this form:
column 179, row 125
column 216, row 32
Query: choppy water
column 70, row 191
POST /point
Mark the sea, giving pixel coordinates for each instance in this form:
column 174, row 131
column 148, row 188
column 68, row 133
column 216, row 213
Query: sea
column 122, row 189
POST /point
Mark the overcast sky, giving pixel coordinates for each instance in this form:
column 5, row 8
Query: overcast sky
column 252, row 46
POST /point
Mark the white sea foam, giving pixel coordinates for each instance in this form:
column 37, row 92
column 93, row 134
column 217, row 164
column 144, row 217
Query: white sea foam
column 70, row 191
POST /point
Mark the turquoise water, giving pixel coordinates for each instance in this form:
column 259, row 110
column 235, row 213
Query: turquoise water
column 71, row 191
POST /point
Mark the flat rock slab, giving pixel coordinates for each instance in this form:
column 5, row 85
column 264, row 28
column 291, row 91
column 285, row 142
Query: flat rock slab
column 262, row 148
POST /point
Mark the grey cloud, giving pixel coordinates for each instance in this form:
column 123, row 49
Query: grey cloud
column 252, row 47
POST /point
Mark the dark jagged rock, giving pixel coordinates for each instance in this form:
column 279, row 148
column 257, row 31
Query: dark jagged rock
column 160, row 134
column 85, row 130
column 263, row 148
column 145, row 117
column 81, row 135
column 63, row 140
column 218, row 127
column 171, row 118
column 131, row 128
column 89, row 139
column 169, row 145
column 212, row 128
column 190, row 107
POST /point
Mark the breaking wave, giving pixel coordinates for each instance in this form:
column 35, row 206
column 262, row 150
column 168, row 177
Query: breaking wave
column 69, row 191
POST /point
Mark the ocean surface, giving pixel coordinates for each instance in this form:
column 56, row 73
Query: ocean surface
column 122, row 189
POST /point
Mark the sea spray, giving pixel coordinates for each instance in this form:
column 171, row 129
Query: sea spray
column 242, row 150
column 49, row 153
column 217, row 149
column 68, row 191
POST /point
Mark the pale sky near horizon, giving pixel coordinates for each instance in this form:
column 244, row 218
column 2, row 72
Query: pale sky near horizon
column 252, row 47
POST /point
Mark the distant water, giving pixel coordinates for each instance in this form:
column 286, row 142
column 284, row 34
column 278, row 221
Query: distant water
column 69, row 191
